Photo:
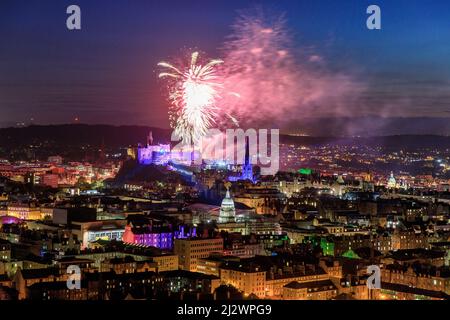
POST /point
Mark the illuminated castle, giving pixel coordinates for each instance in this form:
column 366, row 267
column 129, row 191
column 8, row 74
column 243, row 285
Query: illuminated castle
column 153, row 154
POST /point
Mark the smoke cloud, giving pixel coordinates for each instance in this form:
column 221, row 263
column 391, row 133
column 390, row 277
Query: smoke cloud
column 268, row 81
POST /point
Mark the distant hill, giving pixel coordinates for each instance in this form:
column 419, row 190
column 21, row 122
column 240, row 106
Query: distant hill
column 81, row 134
column 119, row 136
column 396, row 141
column 371, row 126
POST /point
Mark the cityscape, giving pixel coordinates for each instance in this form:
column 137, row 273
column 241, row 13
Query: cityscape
column 98, row 203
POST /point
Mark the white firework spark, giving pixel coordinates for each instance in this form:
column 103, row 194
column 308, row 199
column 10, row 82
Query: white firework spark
column 193, row 97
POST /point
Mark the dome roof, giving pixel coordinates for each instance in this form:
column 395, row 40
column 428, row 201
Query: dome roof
column 227, row 211
column 391, row 178
column 227, row 202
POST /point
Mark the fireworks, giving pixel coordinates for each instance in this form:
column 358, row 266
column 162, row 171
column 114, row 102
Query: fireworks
column 276, row 81
column 262, row 80
column 261, row 69
column 193, row 95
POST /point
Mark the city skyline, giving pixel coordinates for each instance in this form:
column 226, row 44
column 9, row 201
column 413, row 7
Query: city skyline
column 106, row 72
column 223, row 158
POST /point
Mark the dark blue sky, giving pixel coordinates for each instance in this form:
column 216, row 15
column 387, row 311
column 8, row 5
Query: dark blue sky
column 106, row 72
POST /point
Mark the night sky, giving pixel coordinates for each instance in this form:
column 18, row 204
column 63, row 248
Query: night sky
column 106, row 72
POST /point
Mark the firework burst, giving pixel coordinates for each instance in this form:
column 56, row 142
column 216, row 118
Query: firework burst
column 278, row 82
column 193, row 94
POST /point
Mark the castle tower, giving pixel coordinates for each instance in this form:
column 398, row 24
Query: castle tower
column 150, row 139
column 247, row 169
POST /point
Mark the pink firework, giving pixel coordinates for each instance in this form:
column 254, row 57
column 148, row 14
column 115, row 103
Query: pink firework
column 275, row 83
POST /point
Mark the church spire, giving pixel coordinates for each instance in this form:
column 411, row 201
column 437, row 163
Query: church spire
column 150, row 139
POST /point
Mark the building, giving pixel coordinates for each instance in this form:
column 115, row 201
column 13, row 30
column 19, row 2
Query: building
column 210, row 265
column 141, row 230
column 277, row 278
column 126, row 264
column 58, row 290
column 165, row 262
column 419, row 276
column 338, row 245
column 153, row 154
column 5, row 250
column 23, row 279
column 409, row 239
column 314, row 290
column 266, row 277
column 55, row 160
column 181, row 281
column 263, row 200
column 245, row 277
column 91, row 231
column 50, row 180
column 24, row 211
column 227, row 211
column 392, row 183
column 148, row 232
column 190, row 250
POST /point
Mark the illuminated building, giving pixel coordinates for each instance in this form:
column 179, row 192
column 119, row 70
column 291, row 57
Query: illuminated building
column 227, row 210
column 159, row 236
column 246, row 278
column 26, row 278
column 126, row 264
column 91, row 231
column 58, row 290
column 263, row 200
column 338, row 186
column 131, row 153
column 24, row 211
column 355, row 287
column 210, row 265
column 244, row 250
column 338, row 245
column 50, row 180
column 189, row 250
column 154, row 233
column 315, row 290
column 277, row 280
column 246, row 223
column 55, row 159
column 9, row 220
column 287, row 186
column 165, row 262
column 409, row 239
column 265, row 279
column 5, row 250
column 153, row 154
column 415, row 280
column 392, row 183
column 181, row 281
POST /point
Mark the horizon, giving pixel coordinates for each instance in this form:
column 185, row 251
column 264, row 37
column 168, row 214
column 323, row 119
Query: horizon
column 283, row 133
column 107, row 71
